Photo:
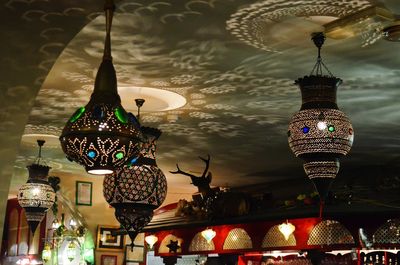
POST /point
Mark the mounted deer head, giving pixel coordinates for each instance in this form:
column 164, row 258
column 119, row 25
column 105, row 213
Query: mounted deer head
column 201, row 182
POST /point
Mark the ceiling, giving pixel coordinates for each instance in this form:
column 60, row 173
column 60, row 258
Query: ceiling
column 233, row 61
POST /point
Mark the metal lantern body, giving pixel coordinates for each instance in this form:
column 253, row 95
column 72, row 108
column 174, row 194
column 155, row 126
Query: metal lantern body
column 36, row 196
column 320, row 133
column 135, row 191
column 102, row 136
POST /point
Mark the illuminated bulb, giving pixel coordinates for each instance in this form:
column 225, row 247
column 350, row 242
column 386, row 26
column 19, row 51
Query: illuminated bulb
column 36, row 191
column 234, row 237
column 100, row 171
column 151, row 240
column 56, row 224
column 72, row 223
column 321, row 125
column 208, row 234
column 286, row 229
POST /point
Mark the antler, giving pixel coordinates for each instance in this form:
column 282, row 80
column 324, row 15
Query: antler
column 207, row 161
column 179, row 171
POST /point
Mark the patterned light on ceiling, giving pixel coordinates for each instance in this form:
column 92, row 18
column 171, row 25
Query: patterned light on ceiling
column 36, row 196
column 136, row 191
column 102, row 136
column 320, row 133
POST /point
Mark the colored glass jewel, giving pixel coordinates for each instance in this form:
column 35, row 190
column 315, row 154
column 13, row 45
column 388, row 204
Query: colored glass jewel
column 119, row 155
column 92, row 154
column 133, row 161
column 305, row 129
column 98, row 113
column 331, row 128
column 78, row 113
column 121, row 115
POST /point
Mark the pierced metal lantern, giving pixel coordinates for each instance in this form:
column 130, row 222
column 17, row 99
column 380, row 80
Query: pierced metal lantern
column 320, row 133
column 102, row 136
column 36, row 196
column 135, row 191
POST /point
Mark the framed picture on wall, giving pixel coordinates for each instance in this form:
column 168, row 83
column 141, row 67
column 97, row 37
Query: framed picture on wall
column 107, row 239
column 108, row 260
column 135, row 254
column 83, row 195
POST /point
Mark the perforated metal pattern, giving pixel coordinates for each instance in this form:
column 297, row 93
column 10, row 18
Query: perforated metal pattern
column 163, row 246
column 330, row 232
column 199, row 243
column 389, row 233
column 274, row 238
column 237, row 239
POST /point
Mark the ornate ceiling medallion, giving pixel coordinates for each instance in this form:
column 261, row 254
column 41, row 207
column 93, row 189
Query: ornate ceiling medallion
column 273, row 24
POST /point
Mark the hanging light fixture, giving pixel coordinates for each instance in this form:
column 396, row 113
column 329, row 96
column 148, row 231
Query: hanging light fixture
column 101, row 136
column 36, row 196
column 151, row 240
column 286, row 229
column 135, row 191
column 320, row 133
column 208, row 234
column 71, row 251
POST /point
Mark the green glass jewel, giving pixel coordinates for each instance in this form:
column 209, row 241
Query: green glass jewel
column 121, row 115
column 331, row 128
column 78, row 113
column 119, row 155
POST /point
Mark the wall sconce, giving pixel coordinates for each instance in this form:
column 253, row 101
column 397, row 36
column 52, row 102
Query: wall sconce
column 151, row 240
column 56, row 224
column 286, row 229
column 208, row 234
column 72, row 223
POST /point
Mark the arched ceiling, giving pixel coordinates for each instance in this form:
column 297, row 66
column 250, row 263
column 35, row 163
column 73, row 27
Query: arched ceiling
column 234, row 62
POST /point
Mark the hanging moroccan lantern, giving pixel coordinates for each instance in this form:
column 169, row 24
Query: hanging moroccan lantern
column 101, row 136
column 36, row 196
column 320, row 133
column 137, row 190
column 71, row 251
column 46, row 253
